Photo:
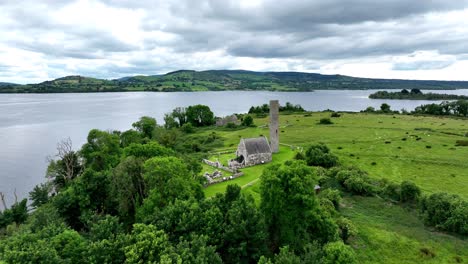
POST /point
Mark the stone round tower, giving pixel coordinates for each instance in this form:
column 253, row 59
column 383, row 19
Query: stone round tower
column 274, row 126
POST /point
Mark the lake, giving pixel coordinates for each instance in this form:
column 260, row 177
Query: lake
column 32, row 124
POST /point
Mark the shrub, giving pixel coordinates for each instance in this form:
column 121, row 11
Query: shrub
column 427, row 252
column 247, row 121
column 231, row 125
column 347, row 228
column 335, row 114
column 325, row 121
column 333, row 195
column 319, row 155
column 392, row 191
column 359, row 184
column 461, row 143
column 409, row 191
column 187, row 128
column 299, row 156
column 338, row 252
column 447, row 212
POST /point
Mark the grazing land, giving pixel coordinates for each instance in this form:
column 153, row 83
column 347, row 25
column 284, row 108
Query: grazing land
column 224, row 80
column 421, row 149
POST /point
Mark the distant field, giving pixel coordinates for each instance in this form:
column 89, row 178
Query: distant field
column 420, row 149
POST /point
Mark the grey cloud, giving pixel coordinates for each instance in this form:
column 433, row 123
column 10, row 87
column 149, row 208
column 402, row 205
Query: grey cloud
column 422, row 65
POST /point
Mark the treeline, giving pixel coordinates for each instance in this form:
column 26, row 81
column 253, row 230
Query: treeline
column 265, row 109
column 136, row 197
column 415, row 94
column 446, row 212
column 456, row 108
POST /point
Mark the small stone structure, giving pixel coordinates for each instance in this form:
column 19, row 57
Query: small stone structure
column 252, row 151
column 274, row 126
column 226, row 120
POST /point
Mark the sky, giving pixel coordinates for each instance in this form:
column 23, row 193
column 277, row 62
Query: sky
column 46, row 39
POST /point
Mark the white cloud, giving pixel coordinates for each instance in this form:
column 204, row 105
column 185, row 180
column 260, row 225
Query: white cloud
column 46, row 39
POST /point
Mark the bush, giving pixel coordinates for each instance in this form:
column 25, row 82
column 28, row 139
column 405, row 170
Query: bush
column 461, row 143
column 409, row 191
column 333, row 195
column 338, row 253
column 359, row 184
column 187, row 128
column 347, row 228
column 335, row 114
column 392, row 191
column 231, row 125
column 247, row 121
column 325, row 121
column 446, row 212
column 319, row 155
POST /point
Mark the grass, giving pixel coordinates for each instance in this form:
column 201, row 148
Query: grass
column 375, row 144
column 386, row 146
column 390, row 233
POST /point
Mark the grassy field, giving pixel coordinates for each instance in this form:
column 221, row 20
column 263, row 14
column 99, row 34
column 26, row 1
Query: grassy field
column 396, row 147
column 390, row 233
column 400, row 147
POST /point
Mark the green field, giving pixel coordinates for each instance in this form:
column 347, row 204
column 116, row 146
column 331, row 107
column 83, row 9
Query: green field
column 388, row 141
column 386, row 146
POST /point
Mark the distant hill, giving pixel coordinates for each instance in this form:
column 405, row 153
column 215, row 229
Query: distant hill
column 7, row 84
column 222, row 80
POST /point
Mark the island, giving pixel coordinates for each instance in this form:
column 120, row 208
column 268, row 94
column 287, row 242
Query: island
column 415, row 94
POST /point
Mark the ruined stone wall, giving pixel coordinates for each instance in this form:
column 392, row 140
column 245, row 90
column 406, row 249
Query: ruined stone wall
column 255, row 159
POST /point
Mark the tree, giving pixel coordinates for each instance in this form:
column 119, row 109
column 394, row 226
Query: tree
column 200, row 115
column 179, row 113
column 101, row 151
column 338, row 253
column 148, row 245
column 170, row 121
column 247, row 121
column 127, row 187
column 146, row 125
column 291, row 210
column 416, row 91
column 40, row 194
column 67, row 167
column 130, row 136
column 385, row 108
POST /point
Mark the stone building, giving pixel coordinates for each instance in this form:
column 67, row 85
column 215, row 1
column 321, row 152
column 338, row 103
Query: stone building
column 274, row 126
column 226, row 120
column 253, row 151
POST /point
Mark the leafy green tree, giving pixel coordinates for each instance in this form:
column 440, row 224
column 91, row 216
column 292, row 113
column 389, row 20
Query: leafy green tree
column 291, row 210
column 146, row 151
column 130, row 136
column 70, row 246
column 40, row 194
column 148, row 245
column 180, row 114
column 385, row 108
column 146, row 125
column 17, row 213
column 196, row 251
column 102, row 150
column 200, row 115
column 170, row 121
column 247, row 121
column 128, row 187
column 338, row 253
column 167, row 179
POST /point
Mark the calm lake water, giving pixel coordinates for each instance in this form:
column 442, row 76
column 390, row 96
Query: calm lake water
column 32, row 124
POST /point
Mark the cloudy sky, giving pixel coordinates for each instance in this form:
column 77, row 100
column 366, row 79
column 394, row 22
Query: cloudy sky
column 46, row 39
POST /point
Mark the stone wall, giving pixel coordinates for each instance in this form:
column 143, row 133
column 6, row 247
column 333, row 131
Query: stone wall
column 255, row 159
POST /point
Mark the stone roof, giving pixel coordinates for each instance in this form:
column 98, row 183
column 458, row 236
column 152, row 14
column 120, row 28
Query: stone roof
column 256, row 145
